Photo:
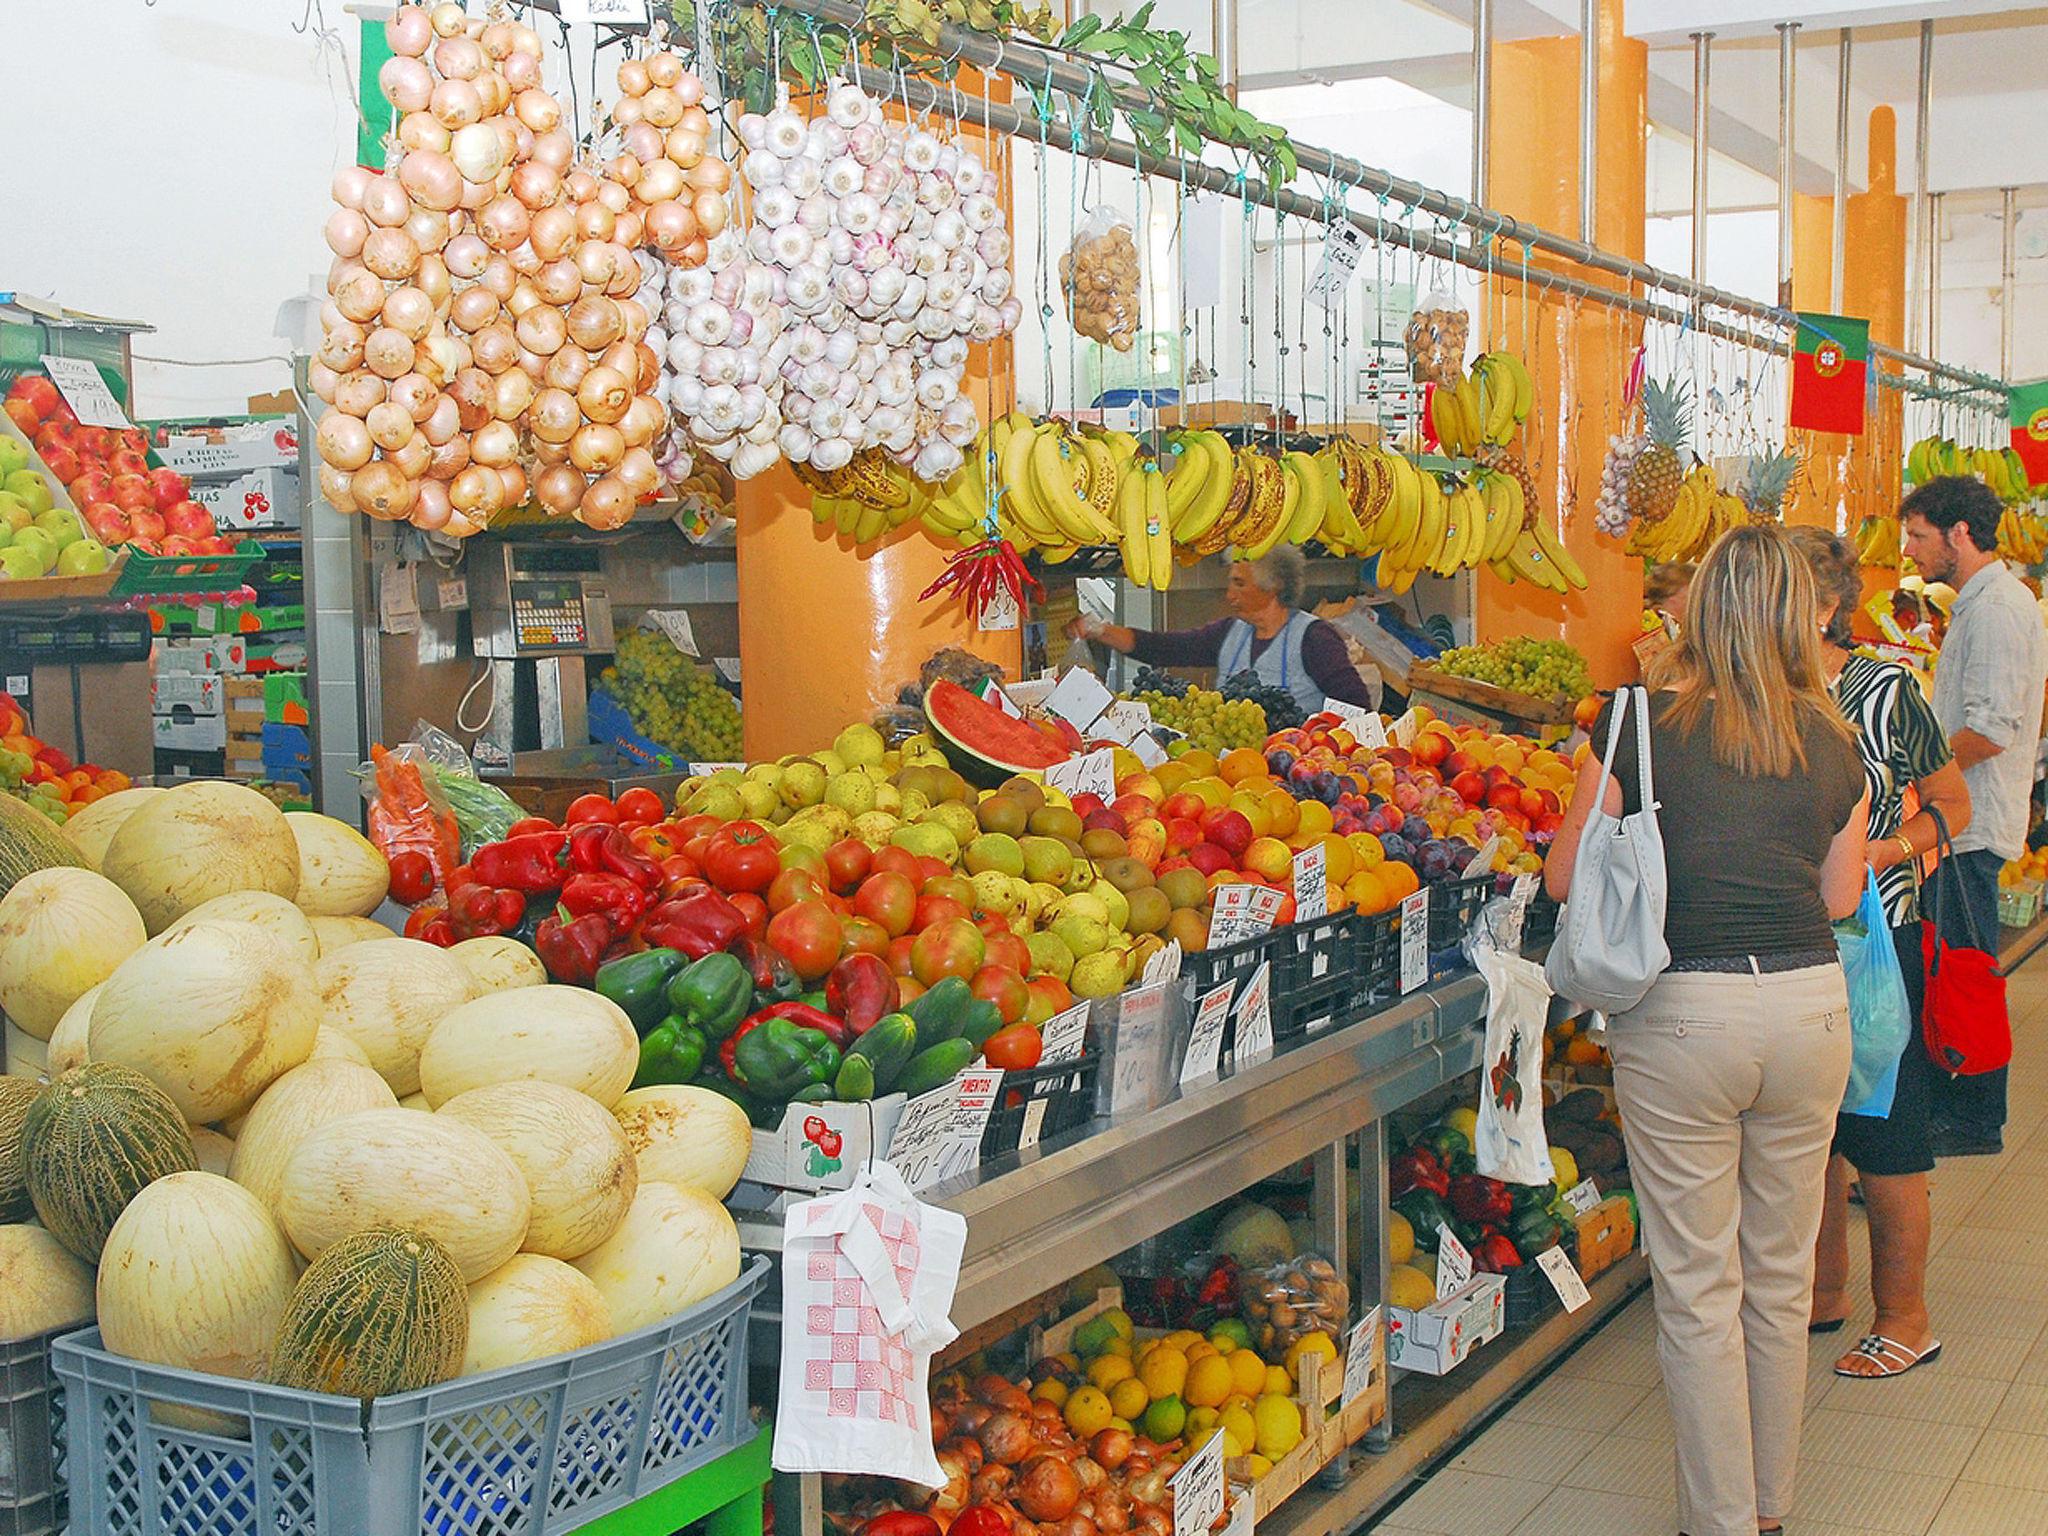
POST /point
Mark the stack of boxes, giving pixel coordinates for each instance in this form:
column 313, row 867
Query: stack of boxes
column 269, row 735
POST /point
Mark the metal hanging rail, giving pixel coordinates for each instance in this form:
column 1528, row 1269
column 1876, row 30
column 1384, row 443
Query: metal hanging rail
column 1044, row 72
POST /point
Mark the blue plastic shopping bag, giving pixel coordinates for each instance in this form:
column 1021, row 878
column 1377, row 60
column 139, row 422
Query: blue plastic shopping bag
column 1880, row 1018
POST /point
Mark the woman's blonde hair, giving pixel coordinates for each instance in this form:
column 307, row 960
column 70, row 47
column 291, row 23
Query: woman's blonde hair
column 1751, row 646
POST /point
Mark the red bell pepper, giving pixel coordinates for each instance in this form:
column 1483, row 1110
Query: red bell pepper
column 440, row 932
column 679, row 873
column 1417, row 1168
column 700, row 922
column 1474, row 1197
column 1494, row 1254
column 860, row 989
column 901, row 1522
column 417, row 920
column 572, row 947
column 532, row 863
column 478, row 911
column 774, row 981
column 615, row 898
column 586, row 847
column 529, row 824
column 620, row 857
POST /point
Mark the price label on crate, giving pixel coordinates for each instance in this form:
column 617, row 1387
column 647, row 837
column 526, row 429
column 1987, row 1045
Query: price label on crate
column 1164, row 965
column 1365, row 725
column 728, row 668
column 1254, row 1038
column 1124, row 721
column 1242, row 912
column 79, row 382
column 674, row 623
column 1064, row 1036
column 610, row 13
column 920, row 1145
column 1198, row 1489
column 1138, row 1056
column 1358, row 1356
column 1414, row 940
column 1034, row 1124
column 974, row 1096
column 1205, row 1038
column 1557, row 1268
column 1093, row 774
column 1311, row 882
column 1582, row 1197
column 1146, row 750
column 1341, row 247
column 1405, row 729
column 1453, row 1263
column 1482, row 861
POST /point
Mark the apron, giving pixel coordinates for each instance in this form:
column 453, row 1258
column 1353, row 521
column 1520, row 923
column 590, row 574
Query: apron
column 1279, row 665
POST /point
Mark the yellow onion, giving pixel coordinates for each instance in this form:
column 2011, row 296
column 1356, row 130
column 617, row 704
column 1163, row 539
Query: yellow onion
column 536, row 185
column 429, row 228
column 390, row 425
column 449, row 459
column 521, row 71
column 596, row 448
column 553, row 417
column 513, row 481
column 409, row 312
column 643, row 145
column 625, row 273
column 457, row 58
column 537, row 109
column 431, row 176
column 633, row 77
column 542, row 329
column 383, row 491
column 690, row 92
column 471, row 389
column 495, row 347
column 346, row 231
column 477, row 152
column 385, row 202
column 627, row 111
column 391, row 254
column 698, row 251
column 614, row 196
column 423, row 130
column 343, row 440
column 334, row 487
column 477, row 490
column 449, row 19
column 695, row 118
column 606, row 505
column 472, row 309
column 662, row 107
column 594, row 222
column 710, row 174
column 341, row 346
column 498, row 38
column 664, row 69
column 546, row 454
column 671, row 225
column 554, row 149
column 430, row 508
column 499, row 275
column 558, row 282
column 443, row 357
column 457, row 104
column 388, row 353
column 461, row 526
column 503, row 223
column 409, row 32
column 511, row 393
column 638, row 473
column 633, row 320
column 660, row 182
column 494, row 443
column 623, row 358
column 406, row 82
column 497, row 96
column 524, row 297
column 580, row 184
column 566, row 369
column 358, row 392
column 416, row 395
column 525, row 260
column 532, row 364
column 432, row 279
column 443, row 422
column 641, row 421
column 594, row 323
column 683, row 145
column 412, row 457
column 712, row 211
column 604, row 395
column 559, row 488
column 622, row 170
column 322, row 380
column 466, row 255
column 476, row 193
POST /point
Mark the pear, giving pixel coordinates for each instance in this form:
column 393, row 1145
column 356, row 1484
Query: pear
column 859, row 744
column 994, row 851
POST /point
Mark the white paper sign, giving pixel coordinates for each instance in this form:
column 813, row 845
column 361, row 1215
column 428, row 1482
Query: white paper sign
column 974, row 1095
column 451, row 592
column 1064, row 1037
column 1078, row 698
column 1198, row 1489
column 1482, row 861
column 1311, row 882
column 1582, row 1197
column 1142, row 1015
column 919, row 1146
column 612, row 13
column 79, row 382
column 1242, row 912
column 1571, row 1290
column 1405, row 729
column 1146, row 750
column 999, row 611
column 1358, row 1356
column 1341, row 247
column 1205, row 1039
column 1520, row 894
column 1034, row 1124
column 1453, row 1263
column 728, row 668
column 674, row 623
column 1414, row 940
column 1092, row 774
column 1365, row 725
column 1164, row 965
column 1125, row 721
column 1254, row 1038
column 705, row 770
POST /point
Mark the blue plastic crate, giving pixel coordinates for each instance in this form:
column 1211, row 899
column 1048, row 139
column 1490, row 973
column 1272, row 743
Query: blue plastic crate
column 531, row 1450
column 32, row 1441
column 611, row 726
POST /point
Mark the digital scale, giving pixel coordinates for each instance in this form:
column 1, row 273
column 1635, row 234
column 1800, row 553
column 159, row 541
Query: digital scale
column 536, row 610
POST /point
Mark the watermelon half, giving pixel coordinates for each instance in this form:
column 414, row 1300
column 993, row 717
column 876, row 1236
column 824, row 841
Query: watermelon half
column 982, row 743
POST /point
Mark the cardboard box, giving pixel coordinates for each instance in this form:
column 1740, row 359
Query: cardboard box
column 821, row 1146
column 111, row 714
column 232, row 452
column 262, row 498
column 199, row 693
column 1435, row 1339
column 184, row 732
column 224, row 654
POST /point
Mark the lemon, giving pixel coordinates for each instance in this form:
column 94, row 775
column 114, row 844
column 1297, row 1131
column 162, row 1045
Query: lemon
column 1182, row 1338
column 1232, row 1328
column 1201, row 1349
column 1120, row 1320
column 1409, row 1287
column 1277, row 1424
column 1278, row 1381
column 1400, row 1238
column 1247, row 1370
column 1088, row 1411
column 1223, row 1343
column 1164, row 1371
column 1238, row 1424
column 1232, row 1446
column 1093, row 1334
column 1317, row 1344
column 1128, row 1398
column 1464, row 1120
column 1259, row 1465
column 1105, row 1371
column 1209, row 1381
column 1123, row 1424
column 1199, row 1422
column 1051, row 1390
column 1118, row 1347
column 1165, row 1419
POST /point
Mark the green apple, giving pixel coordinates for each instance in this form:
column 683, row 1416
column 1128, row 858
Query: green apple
column 39, row 544
column 64, row 527
column 30, row 486
column 18, row 564
column 13, row 456
column 82, row 557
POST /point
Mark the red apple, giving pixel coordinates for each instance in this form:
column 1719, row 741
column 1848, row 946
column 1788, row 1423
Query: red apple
column 1211, row 857
column 188, row 518
column 1103, row 819
column 1184, row 806
column 170, row 487
column 1085, row 805
column 1228, row 829
column 1133, row 807
column 1182, row 833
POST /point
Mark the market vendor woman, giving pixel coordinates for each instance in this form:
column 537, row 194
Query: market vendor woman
column 1270, row 637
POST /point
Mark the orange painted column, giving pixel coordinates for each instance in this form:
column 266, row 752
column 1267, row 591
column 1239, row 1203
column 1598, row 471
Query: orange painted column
column 829, row 632
column 1846, row 479
column 1578, row 352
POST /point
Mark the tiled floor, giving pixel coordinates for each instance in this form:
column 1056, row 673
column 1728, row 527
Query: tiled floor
column 1958, row 1448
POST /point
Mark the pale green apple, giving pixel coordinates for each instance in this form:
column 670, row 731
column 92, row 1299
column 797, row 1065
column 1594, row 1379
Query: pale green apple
column 83, row 557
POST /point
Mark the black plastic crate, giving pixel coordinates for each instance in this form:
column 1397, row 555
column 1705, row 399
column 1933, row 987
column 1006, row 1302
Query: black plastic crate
column 1377, row 944
column 1206, row 970
column 1539, row 923
column 1318, row 983
column 1454, row 906
column 1067, row 1090
column 1529, row 1296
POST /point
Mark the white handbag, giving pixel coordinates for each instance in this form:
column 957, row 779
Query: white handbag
column 1610, row 944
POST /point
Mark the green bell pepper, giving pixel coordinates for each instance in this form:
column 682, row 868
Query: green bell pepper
column 713, row 994
column 941, row 1013
column 887, row 1047
column 777, row 1059
column 1446, row 1141
column 1425, row 1210
column 672, row 1052
column 635, row 983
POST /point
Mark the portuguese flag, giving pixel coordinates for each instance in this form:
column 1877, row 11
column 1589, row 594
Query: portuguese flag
column 2030, row 429
column 1830, row 371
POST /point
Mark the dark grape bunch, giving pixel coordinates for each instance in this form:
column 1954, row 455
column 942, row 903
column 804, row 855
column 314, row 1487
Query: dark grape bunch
column 1282, row 712
column 1149, row 679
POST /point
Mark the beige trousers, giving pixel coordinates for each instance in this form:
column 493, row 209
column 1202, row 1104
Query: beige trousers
column 1728, row 1087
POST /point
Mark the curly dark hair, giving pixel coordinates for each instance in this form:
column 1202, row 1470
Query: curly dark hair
column 1950, row 499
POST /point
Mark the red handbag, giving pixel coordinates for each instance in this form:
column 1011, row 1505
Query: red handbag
column 1963, row 1020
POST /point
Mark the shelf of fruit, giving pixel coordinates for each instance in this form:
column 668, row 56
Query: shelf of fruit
column 44, row 777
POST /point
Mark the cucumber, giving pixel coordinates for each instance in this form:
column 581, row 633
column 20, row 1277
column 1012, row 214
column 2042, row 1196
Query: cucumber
column 935, row 1066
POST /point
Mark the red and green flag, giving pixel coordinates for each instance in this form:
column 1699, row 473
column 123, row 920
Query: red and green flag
column 1830, row 372
column 2030, row 429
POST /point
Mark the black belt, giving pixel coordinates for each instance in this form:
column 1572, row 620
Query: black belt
column 1759, row 965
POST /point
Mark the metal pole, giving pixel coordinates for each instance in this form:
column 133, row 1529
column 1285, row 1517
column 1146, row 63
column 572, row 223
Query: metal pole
column 1702, row 65
column 1923, row 119
column 1223, row 35
column 1933, row 270
column 1482, row 95
column 1589, row 120
column 1839, row 243
column 2010, row 215
column 1788, row 80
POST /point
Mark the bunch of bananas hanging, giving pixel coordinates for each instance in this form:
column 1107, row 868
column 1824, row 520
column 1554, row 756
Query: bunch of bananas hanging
column 2022, row 536
column 866, row 498
column 1877, row 541
column 1702, row 513
column 1444, row 525
column 1999, row 468
column 1485, row 407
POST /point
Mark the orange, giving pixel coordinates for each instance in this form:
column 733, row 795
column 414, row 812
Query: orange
column 1401, row 881
column 1283, row 811
column 1210, row 1380
column 1312, row 818
column 1367, row 849
column 1199, row 762
column 1241, row 763
column 1338, row 859
column 1367, row 893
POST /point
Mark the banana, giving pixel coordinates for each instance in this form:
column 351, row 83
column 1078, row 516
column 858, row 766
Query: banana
column 1307, row 514
column 1158, row 531
column 1506, row 513
column 1473, row 411
column 1104, row 473
column 1405, row 510
column 1529, row 563
column 1212, row 495
column 1497, row 398
column 1055, row 467
column 1340, row 529
column 1561, row 563
column 1132, row 536
column 1190, row 475
column 1019, row 492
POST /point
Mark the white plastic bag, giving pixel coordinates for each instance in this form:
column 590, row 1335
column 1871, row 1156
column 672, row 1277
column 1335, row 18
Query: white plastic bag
column 867, row 1288
column 1510, row 1144
column 1099, row 274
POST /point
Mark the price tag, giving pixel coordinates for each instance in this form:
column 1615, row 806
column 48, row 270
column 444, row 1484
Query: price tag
column 1571, row 1290
column 1405, row 729
column 705, row 770
column 1365, row 725
column 1146, row 750
column 452, row 592
column 1078, row 698
column 1205, row 1040
column 611, row 13
column 1520, row 894
column 1453, row 1263
column 999, row 611
column 1064, row 1036
column 728, row 668
column 79, row 382
column 1164, row 965
column 674, row 623
column 1198, row 1489
column 975, row 1093
column 1254, row 1038
column 1414, row 940
column 1482, row 861
column 1125, row 721
column 1342, row 245
column 1137, row 1079
column 1242, row 912
column 1358, row 1356
column 1034, row 1124
column 921, row 1142
column 1311, row 882
column 1582, row 1197
column 1093, row 774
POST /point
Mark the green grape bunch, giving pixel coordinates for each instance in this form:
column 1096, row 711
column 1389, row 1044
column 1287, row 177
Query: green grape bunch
column 672, row 700
column 1208, row 719
column 1544, row 668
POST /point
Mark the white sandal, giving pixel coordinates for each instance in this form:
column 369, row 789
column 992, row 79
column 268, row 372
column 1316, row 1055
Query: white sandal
column 1892, row 1358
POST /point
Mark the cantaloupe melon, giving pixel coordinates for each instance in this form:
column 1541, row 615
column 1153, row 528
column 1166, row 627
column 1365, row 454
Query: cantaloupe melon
column 689, row 1136
column 91, row 1141
column 281, row 919
column 675, row 1247
column 90, row 830
column 341, row 873
column 499, row 963
column 528, row 1308
column 392, row 1167
column 388, row 997
column 28, row 842
column 70, row 1040
column 16, row 1094
column 340, row 932
column 43, row 1285
column 291, row 1109
column 214, row 1151
column 196, row 1274
column 198, row 841
column 578, row 1168
column 332, row 1044
column 61, row 932
column 380, row 1311
column 21, row 1052
column 553, row 1034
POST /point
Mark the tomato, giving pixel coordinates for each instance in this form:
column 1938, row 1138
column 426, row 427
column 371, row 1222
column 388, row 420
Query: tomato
column 979, row 1520
column 791, row 886
column 1015, row 1049
column 901, row 1522
column 421, row 916
column 753, row 909
column 412, row 878
column 740, row 856
column 640, row 807
column 529, row 824
column 657, row 840
column 591, row 808
column 808, row 936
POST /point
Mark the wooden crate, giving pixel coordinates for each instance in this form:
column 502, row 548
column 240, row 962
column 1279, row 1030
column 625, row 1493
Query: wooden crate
column 1502, row 704
column 1330, row 1425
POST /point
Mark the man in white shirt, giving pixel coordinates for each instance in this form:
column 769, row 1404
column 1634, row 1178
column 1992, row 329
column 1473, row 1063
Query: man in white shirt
column 1987, row 696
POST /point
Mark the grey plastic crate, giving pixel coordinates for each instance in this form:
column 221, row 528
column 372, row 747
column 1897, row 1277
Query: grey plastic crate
column 530, row 1450
column 31, row 1440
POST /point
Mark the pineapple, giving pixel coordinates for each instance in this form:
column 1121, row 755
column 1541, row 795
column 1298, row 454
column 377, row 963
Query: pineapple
column 1495, row 457
column 1655, row 476
column 1764, row 487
